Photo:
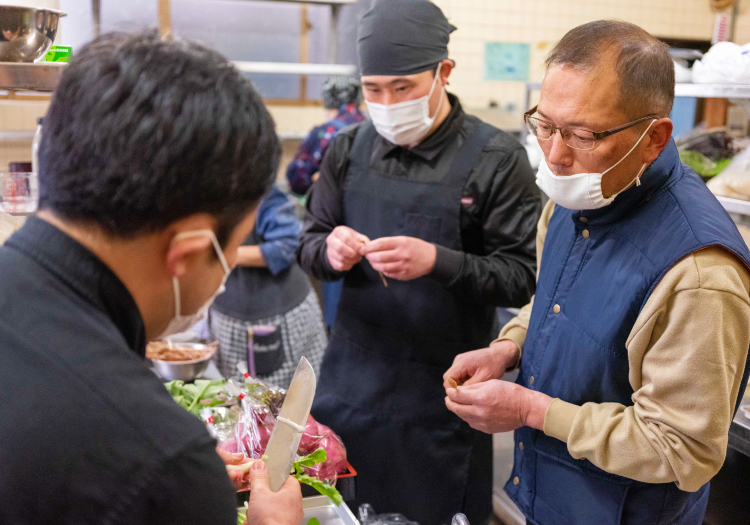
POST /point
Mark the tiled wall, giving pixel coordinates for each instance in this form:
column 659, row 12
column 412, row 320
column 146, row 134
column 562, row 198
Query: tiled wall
column 542, row 22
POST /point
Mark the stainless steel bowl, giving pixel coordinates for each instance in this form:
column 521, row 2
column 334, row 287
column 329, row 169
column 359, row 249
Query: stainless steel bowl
column 26, row 33
column 185, row 370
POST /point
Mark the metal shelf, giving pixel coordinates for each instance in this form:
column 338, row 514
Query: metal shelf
column 19, row 76
column 296, row 68
column 712, row 90
column 321, row 2
column 735, row 205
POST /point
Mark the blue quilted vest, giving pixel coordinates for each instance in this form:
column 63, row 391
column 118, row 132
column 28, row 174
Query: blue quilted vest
column 600, row 267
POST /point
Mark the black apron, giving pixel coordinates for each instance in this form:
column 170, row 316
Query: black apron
column 381, row 381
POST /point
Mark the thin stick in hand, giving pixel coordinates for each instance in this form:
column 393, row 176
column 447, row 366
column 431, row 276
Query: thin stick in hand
column 382, row 277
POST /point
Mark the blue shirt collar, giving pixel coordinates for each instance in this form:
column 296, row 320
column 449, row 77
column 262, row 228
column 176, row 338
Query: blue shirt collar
column 661, row 174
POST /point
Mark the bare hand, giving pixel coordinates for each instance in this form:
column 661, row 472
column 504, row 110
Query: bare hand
column 482, row 365
column 240, row 477
column 345, row 248
column 267, row 508
column 498, row 406
column 402, row 258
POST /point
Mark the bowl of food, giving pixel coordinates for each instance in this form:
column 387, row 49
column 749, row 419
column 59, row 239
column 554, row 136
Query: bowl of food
column 27, row 33
column 180, row 361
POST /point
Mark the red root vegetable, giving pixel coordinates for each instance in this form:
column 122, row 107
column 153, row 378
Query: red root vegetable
column 230, row 445
column 320, row 436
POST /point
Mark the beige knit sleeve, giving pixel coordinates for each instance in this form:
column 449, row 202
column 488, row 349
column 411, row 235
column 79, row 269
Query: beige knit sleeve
column 687, row 354
column 516, row 328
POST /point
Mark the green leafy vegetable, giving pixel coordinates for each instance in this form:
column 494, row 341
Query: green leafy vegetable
column 200, row 394
column 298, row 471
column 242, row 515
column 702, row 165
column 319, row 456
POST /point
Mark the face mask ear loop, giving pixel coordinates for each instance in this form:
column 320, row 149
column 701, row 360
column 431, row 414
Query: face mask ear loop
column 177, row 298
column 634, row 146
column 638, row 177
column 434, row 82
column 186, row 235
column 429, row 96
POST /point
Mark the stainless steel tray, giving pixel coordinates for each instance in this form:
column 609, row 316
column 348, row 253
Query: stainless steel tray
column 322, row 507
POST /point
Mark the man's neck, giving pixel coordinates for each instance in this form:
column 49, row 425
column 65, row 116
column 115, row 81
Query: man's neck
column 445, row 109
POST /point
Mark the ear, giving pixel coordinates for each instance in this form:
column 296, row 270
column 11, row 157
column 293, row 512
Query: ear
column 658, row 138
column 446, row 68
column 184, row 253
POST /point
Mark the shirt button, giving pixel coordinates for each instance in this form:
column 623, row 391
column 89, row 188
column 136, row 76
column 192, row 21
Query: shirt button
column 516, row 481
column 556, row 308
column 520, row 445
column 583, row 219
column 585, row 234
column 531, row 380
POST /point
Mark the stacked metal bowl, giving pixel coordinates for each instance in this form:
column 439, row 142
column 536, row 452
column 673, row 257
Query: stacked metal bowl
column 27, row 33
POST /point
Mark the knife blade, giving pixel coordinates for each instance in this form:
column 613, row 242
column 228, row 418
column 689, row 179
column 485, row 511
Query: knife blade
column 290, row 425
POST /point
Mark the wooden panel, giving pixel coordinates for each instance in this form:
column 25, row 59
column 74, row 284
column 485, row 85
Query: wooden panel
column 715, row 112
column 304, row 48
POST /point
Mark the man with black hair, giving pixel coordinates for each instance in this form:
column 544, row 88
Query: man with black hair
column 154, row 157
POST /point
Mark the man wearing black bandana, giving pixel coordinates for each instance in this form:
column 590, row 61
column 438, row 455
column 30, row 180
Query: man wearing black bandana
column 430, row 217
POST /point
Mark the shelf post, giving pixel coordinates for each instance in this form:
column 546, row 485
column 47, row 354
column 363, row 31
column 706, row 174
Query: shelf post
column 165, row 19
column 333, row 34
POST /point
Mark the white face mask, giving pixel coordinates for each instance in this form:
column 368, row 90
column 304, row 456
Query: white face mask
column 582, row 191
column 405, row 123
column 179, row 322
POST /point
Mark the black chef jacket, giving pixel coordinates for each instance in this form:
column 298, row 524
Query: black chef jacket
column 88, row 435
column 500, row 207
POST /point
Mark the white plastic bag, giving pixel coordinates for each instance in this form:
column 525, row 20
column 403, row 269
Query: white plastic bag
column 725, row 63
column 734, row 180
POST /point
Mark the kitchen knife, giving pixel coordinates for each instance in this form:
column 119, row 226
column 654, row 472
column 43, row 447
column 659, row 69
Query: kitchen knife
column 290, row 425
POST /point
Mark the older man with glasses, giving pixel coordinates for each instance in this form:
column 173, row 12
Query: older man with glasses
column 633, row 351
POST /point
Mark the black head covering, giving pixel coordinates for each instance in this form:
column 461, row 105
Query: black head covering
column 402, row 37
column 339, row 91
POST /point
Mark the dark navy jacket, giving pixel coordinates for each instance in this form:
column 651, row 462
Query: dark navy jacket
column 601, row 280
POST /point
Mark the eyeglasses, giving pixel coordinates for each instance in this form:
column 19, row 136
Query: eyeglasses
column 576, row 138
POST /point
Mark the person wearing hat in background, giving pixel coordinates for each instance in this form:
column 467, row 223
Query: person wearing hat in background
column 442, row 207
column 341, row 98
column 633, row 353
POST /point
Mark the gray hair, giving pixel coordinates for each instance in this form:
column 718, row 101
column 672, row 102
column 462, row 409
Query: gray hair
column 341, row 90
column 643, row 65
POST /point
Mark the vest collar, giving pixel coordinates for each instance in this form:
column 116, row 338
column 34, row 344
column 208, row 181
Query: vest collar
column 662, row 173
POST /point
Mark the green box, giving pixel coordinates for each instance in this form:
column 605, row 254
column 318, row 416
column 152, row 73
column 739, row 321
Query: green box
column 59, row 54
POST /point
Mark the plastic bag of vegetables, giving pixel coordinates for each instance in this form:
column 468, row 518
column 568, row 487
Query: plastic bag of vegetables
column 221, row 423
column 200, row 394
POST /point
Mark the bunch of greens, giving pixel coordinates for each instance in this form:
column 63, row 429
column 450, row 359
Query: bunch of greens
column 298, row 471
column 702, row 165
column 200, row 394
